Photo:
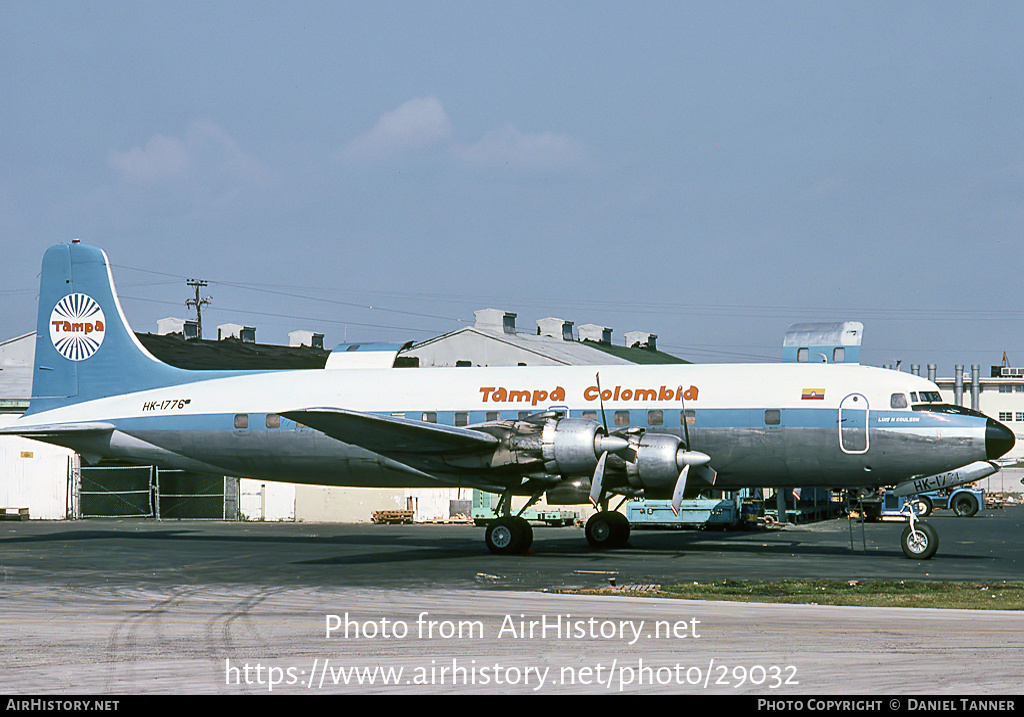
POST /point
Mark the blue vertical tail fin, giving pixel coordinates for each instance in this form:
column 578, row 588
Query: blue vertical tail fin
column 84, row 346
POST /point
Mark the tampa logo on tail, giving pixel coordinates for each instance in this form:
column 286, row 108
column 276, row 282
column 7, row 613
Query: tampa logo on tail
column 77, row 327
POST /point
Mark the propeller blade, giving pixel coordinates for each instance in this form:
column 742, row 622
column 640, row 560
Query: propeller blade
column 677, row 494
column 600, row 396
column 596, row 485
column 686, row 423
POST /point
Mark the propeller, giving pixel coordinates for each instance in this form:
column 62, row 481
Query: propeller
column 688, row 458
column 597, row 483
column 677, row 494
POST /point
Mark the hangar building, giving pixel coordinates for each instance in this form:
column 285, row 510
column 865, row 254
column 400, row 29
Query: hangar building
column 999, row 395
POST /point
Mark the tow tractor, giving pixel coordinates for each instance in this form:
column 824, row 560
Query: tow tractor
column 964, row 501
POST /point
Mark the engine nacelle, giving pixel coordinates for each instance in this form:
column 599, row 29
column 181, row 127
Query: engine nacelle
column 572, row 446
column 657, row 463
column 570, row 492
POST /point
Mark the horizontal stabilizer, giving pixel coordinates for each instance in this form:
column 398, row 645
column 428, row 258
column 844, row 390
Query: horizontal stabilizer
column 392, row 436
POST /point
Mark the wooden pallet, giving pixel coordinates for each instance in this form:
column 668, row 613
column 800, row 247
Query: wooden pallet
column 391, row 517
column 13, row 513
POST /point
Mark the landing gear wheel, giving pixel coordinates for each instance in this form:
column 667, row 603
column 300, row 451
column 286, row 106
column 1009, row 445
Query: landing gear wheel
column 527, row 535
column 508, row 535
column 920, row 544
column 923, row 505
column 607, row 529
column 965, row 505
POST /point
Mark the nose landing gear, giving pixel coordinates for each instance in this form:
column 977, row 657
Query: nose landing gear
column 919, row 540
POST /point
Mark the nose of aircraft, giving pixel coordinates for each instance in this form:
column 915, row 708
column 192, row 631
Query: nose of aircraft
column 998, row 439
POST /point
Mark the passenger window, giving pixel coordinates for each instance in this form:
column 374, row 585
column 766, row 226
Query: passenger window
column 592, row 415
column 772, row 417
column 430, row 417
column 688, row 418
column 273, row 420
column 461, row 419
column 622, row 418
column 655, row 418
column 241, row 420
column 493, row 416
column 802, row 355
column 898, row 400
column 838, row 354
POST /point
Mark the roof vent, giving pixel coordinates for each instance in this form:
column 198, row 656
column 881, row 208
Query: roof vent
column 245, row 334
column 593, row 332
column 170, row 325
column 641, row 339
column 555, row 328
column 306, row 338
column 495, row 320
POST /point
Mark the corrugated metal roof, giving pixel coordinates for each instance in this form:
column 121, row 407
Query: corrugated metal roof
column 570, row 353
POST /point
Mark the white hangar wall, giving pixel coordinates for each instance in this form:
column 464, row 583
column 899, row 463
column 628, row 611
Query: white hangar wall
column 35, row 475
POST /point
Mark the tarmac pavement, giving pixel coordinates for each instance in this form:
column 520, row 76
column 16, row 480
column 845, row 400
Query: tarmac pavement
column 137, row 607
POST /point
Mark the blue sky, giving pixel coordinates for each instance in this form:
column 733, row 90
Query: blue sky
column 708, row 171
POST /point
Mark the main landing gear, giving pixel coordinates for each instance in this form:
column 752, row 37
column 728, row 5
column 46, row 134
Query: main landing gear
column 607, row 529
column 513, row 535
column 508, row 535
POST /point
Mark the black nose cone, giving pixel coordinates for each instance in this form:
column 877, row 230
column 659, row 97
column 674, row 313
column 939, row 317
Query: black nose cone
column 998, row 439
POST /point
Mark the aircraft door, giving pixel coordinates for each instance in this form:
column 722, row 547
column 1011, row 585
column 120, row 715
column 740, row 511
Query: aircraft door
column 853, row 424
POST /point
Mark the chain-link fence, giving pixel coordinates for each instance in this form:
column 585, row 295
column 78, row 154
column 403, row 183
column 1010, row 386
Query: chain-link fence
column 182, row 495
column 147, row 492
column 117, row 491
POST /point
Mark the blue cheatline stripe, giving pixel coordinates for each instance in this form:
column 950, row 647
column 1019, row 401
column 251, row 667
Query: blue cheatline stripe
column 705, row 418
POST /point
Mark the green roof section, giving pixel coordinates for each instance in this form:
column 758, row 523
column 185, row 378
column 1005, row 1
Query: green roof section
column 230, row 354
column 638, row 355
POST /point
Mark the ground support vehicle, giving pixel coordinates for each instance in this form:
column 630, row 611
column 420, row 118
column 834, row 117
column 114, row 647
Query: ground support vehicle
column 700, row 513
column 964, row 501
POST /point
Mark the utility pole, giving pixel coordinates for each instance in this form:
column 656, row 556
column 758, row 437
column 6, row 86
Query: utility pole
column 198, row 303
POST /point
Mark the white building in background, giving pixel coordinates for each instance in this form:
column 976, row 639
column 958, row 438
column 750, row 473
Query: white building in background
column 33, row 475
column 494, row 340
column 999, row 395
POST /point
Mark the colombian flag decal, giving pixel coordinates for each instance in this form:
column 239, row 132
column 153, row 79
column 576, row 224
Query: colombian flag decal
column 813, row 394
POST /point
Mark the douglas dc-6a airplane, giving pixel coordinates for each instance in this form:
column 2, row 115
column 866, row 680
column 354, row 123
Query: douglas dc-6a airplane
column 522, row 431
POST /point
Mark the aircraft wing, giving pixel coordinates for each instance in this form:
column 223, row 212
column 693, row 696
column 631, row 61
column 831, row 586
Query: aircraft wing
column 393, row 437
column 59, row 429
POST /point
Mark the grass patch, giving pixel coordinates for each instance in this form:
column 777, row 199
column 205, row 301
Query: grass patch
column 996, row 595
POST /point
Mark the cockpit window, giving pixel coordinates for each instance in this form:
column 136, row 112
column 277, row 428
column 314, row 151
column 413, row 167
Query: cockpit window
column 898, row 400
column 948, row 408
column 929, row 397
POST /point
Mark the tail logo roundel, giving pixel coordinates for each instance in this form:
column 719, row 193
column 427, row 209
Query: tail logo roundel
column 77, row 327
